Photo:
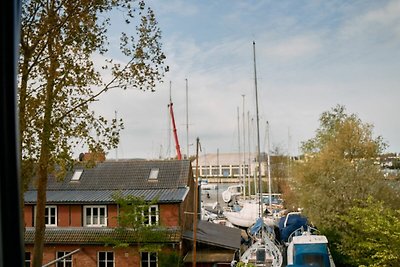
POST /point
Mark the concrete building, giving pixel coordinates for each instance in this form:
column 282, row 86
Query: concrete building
column 230, row 165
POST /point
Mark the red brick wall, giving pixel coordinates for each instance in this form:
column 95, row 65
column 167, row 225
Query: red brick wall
column 169, row 215
column 112, row 211
column 28, row 215
column 75, row 215
column 87, row 256
column 63, row 216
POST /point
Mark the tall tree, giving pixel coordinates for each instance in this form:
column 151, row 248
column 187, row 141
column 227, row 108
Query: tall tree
column 59, row 79
column 338, row 170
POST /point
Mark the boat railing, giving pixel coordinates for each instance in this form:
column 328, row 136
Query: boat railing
column 301, row 231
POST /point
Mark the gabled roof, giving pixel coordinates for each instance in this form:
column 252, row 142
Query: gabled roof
column 97, row 184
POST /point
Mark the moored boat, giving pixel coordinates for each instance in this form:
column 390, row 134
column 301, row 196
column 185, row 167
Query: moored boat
column 308, row 248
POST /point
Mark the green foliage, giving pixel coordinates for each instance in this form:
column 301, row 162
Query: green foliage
column 338, row 172
column 169, row 259
column 133, row 227
column 372, row 235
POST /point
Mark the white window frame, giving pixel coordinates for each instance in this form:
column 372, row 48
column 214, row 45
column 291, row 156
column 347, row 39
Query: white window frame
column 106, row 259
column 64, row 262
column 48, row 219
column 147, row 262
column 151, row 218
column 93, row 221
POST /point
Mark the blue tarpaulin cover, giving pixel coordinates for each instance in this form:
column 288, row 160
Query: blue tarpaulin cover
column 294, row 222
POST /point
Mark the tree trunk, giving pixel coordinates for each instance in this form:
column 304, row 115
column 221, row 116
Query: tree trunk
column 26, row 175
column 44, row 161
column 45, row 154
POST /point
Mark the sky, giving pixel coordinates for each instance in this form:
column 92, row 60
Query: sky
column 310, row 56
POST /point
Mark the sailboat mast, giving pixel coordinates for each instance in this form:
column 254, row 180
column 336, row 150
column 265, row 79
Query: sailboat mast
column 269, row 169
column 244, row 152
column 239, row 154
column 187, row 120
column 258, row 131
column 249, row 159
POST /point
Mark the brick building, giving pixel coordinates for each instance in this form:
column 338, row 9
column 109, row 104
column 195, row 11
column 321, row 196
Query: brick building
column 81, row 212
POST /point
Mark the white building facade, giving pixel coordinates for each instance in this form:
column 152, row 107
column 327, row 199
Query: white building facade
column 230, row 165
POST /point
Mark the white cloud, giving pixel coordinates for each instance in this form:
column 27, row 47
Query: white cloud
column 384, row 20
column 294, row 47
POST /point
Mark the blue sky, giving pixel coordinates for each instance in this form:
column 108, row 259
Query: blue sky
column 311, row 56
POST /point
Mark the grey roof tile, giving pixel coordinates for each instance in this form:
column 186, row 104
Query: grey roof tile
column 173, row 195
column 89, row 235
column 128, row 176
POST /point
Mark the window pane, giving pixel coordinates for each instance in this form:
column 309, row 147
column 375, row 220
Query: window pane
column 153, row 256
column 102, row 256
column 95, row 220
column 53, row 211
column 102, row 216
column 153, row 259
column 88, row 216
column 95, row 216
column 144, row 258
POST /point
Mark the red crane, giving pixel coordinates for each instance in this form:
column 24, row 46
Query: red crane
column 178, row 148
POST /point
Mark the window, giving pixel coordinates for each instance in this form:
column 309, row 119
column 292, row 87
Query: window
column 151, row 215
column 27, row 259
column 148, row 259
column 77, row 175
column 95, row 216
column 204, row 171
column 66, row 262
column 235, row 170
column 226, row 171
column 105, row 259
column 154, row 174
column 50, row 215
column 215, row 171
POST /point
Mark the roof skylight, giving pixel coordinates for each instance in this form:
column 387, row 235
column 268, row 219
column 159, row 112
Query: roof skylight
column 154, row 174
column 77, row 175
